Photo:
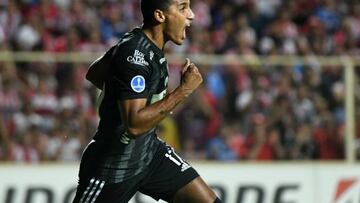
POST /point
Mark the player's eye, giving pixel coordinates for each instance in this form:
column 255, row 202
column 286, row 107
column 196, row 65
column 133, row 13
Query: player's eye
column 183, row 7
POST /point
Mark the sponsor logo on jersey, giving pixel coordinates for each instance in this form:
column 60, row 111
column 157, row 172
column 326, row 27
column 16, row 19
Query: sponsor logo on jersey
column 138, row 58
column 138, row 83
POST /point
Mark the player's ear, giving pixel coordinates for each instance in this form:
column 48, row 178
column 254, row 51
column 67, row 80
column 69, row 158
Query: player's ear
column 159, row 16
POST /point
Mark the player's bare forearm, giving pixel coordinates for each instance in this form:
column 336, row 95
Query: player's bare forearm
column 141, row 120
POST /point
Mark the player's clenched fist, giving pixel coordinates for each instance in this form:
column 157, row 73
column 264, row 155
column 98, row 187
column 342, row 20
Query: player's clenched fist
column 190, row 77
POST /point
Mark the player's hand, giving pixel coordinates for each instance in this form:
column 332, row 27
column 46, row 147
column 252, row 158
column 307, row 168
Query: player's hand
column 190, row 77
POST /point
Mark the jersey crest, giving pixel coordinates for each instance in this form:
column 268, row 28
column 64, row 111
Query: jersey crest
column 138, row 83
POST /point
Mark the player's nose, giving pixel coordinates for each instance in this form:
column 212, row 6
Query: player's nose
column 191, row 15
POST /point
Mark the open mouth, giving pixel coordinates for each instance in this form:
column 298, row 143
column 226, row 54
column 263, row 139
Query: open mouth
column 186, row 29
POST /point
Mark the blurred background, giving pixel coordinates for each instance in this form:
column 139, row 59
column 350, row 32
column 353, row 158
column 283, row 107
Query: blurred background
column 280, row 84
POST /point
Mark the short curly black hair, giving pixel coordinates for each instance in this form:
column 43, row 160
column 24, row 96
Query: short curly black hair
column 149, row 6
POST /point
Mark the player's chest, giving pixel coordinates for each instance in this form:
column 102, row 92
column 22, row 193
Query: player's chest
column 159, row 76
column 159, row 81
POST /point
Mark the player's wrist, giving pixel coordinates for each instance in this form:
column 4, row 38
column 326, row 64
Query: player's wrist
column 185, row 91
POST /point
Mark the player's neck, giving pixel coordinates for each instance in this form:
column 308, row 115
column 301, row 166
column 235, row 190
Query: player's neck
column 155, row 34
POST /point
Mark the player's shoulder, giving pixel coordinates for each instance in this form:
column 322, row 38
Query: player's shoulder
column 134, row 40
column 134, row 47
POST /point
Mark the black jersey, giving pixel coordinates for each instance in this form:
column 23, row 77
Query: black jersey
column 138, row 70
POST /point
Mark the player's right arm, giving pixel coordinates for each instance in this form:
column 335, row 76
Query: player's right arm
column 98, row 70
column 140, row 118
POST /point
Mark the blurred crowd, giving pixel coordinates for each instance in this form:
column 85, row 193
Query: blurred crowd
column 48, row 110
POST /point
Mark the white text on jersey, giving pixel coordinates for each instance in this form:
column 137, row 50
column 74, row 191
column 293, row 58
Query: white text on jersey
column 138, row 58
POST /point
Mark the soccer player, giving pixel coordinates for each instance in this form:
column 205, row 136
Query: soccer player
column 126, row 155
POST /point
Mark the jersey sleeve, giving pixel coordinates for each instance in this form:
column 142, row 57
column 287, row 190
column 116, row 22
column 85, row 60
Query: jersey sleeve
column 131, row 76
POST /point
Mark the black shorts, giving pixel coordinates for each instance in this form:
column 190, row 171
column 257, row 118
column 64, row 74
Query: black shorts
column 166, row 174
